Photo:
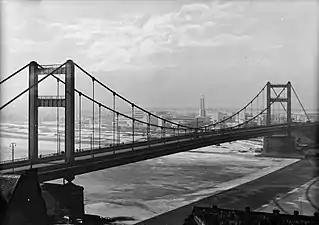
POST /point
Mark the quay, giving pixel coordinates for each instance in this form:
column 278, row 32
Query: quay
column 257, row 194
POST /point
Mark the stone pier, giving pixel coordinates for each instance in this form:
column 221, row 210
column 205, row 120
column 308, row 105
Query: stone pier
column 281, row 145
column 63, row 200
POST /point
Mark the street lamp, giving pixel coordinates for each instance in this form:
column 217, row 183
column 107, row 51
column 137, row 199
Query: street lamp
column 91, row 142
column 12, row 145
column 58, row 144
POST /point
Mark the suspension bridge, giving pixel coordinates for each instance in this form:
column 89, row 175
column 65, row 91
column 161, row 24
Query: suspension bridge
column 161, row 136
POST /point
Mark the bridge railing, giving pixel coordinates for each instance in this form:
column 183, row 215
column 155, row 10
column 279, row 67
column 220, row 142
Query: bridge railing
column 108, row 148
column 128, row 144
column 51, row 97
column 15, row 160
column 83, row 151
column 119, row 146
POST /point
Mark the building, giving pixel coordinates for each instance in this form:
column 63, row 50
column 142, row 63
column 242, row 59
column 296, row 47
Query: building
column 313, row 116
column 203, row 120
column 163, row 123
column 125, row 122
column 234, row 118
column 202, row 110
column 199, row 122
column 152, row 120
column 139, row 115
column 248, row 116
column 163, row 113
column 262, row 120
column 222, row 116
column 182, row 119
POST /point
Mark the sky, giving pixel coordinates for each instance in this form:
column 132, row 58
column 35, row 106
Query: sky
column 167, row 53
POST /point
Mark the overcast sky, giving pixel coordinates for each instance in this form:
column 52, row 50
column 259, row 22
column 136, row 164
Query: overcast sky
column 168, row 53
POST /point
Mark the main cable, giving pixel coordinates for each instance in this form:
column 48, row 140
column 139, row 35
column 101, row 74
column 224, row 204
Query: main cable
column 15, row 73
column 123, row 98
column 243, row 108
column 23, row 92
column 258, row 113
column 108, row 108
column 300, row 103
column 280, row 102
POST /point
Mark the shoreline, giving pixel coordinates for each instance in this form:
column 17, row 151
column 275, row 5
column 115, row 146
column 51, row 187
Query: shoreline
column 42, row 137
column 250, row 192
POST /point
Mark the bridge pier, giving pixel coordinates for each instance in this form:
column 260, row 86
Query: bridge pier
column 63, row 200
column 281, row 145
column 69, row 178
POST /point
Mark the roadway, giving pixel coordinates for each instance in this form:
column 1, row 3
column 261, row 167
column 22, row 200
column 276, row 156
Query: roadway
column 124, row 154
column 51, row 158
column 88, row 155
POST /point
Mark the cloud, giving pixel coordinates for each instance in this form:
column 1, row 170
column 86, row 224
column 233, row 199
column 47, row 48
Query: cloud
column 22, row 46
column 229, row 39
column 165, row 48
column 132, row 38
column 218, row 41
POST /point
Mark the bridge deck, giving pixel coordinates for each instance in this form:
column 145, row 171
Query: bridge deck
column 105, row 158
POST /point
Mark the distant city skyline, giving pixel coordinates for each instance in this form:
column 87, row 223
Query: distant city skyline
column 166, row 54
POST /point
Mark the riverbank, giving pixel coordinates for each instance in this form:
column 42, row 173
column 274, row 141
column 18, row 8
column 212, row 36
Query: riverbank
column 253, row 193
column 303, row 199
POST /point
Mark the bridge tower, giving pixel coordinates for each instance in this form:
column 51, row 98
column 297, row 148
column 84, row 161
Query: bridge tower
column 36, row 101
column 276, row 145
column 285, row 100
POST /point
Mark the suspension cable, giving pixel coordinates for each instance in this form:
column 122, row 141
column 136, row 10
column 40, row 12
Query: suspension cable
column 259, row 113
column 113, row 118
column 300, row 103
column 15, row 73
column 117, row 129
column 243, row 108
column 99, row 125
column 23, row 92
column 162, row 132
column 133, row 123
column 148, row 126
column 278, row 112
column 245, row 114
column 108, row 108
column 123, row 98
column 58, row 120
column 273, row 111
column 80, row 120
column 263, row 105
column 93, row 108
column 257, row 109
column 280, row 102
column 251, row 109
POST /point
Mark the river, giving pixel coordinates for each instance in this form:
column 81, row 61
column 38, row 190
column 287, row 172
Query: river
column 145, row 189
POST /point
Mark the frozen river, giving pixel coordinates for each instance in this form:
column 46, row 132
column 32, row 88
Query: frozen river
column 151, row 187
